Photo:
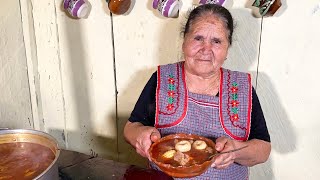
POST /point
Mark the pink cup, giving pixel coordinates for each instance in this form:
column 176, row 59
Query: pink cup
column 219, row 2
column 76, row 8
column 168, row 8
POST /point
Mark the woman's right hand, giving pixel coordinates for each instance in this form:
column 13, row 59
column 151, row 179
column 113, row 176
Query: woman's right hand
column 141, row 137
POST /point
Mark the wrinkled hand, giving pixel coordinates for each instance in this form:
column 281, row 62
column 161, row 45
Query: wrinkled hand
column 224, row 160
column 144, row 140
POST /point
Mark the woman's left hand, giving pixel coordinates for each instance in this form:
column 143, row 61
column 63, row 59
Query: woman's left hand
column 224, row 160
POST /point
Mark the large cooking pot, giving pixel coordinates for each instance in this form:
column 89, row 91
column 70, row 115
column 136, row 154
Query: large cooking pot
column 21, row 137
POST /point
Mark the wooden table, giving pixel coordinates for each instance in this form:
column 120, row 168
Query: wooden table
column 77, row 166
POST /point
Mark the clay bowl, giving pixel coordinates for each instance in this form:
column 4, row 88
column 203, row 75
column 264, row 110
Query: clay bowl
column 174, row 169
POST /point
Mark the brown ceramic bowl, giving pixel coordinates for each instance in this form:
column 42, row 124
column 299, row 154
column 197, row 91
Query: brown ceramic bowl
column 181, row 171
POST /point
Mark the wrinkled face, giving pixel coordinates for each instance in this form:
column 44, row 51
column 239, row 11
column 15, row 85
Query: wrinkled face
column 205, row 46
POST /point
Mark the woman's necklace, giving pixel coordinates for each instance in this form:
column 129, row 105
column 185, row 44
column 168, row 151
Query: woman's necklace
column 211, row 89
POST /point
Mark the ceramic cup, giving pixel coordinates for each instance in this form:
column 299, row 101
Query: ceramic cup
column 267, row 7
column 168, row 8
column 76, row 8
column 219, row 2
column 119, row 6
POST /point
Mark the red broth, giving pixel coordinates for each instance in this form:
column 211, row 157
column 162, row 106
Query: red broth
column 24, row 160
column 196, row 156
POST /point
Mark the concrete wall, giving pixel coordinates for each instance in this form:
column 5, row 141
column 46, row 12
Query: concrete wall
column 287, row 85
column 82, row 88
column 74, row 64
column 15, row 106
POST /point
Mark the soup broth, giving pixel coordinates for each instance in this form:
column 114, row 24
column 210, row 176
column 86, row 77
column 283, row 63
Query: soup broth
column 196, row 156
column 24, row 160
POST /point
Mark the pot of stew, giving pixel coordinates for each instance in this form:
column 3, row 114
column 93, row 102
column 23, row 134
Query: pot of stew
column 28, row 154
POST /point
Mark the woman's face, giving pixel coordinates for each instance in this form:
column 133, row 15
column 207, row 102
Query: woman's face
column 205, row 46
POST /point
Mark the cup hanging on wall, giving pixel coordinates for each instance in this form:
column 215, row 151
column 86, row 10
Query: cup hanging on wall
column 76, row 8
column 267, row 7
column 167, row 8
column 119, row 6
column 219, row 2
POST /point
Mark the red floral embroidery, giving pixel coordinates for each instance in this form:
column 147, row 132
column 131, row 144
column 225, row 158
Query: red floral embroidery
column 171, row 80
column 170, row 107
column 171, row 93
column 234, row 89
column 234, row 103
column 235, row 117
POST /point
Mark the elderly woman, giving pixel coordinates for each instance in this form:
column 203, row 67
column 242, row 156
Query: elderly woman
column 200, row 97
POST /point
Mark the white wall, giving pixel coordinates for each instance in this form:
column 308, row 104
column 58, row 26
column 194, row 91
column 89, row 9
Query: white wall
column 287, row 85
column 77, row 87
column 87, row 73
column 74, row 82
column 15, row 106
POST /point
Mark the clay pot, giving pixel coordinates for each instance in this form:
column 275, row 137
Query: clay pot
column 119, row 6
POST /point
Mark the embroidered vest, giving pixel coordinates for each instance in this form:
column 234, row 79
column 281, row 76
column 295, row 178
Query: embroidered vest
column 180, row 111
